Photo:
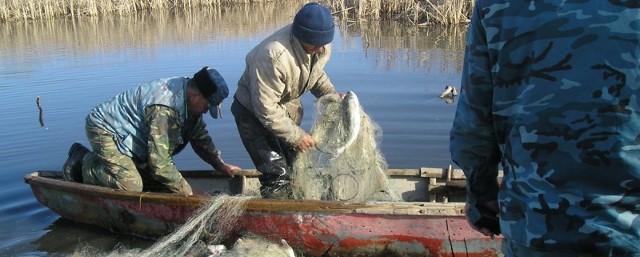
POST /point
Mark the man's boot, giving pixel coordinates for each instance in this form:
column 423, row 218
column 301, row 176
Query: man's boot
column 279, row 189
column 275, row 179
column 72, row 168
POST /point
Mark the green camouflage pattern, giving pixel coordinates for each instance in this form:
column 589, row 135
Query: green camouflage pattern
column 165, row 140
column 107, row 166
column 202, row 143
column 550, row 92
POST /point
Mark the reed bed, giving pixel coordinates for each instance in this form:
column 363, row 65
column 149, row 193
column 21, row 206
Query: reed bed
column 418, row 12
column 391, row 44
column 38, row 9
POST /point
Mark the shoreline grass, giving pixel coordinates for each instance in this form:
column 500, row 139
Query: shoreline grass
column 12, row 10
column 417, row 12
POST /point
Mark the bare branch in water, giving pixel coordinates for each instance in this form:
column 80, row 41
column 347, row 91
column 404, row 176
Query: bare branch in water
column 40, row 115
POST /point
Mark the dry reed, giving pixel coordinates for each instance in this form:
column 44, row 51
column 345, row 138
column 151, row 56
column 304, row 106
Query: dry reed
column 418, row 12
column 39, row 9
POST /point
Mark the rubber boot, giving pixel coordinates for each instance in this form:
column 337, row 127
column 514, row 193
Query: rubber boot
column 275, row 177
column 72, row 168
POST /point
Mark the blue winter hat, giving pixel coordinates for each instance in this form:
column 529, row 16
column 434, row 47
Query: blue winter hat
column 213, row 87
column 313, row 25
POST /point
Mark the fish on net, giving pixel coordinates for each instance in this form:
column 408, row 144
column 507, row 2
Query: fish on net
column 252, row 246
column 346, row 164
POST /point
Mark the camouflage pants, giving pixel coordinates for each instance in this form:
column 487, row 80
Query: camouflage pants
column 106, row 166
column 510, row 249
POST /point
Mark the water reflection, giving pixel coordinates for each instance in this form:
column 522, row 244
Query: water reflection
column 394, row 44
column 144, row 30
column 64, row 238
column 390, row 44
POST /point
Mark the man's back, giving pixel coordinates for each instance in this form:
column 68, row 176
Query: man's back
column 123, row 115
column 550, row 90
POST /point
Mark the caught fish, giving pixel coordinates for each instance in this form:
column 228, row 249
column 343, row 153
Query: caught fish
column 216, row 250
column 253, row 246
column 347, row 164
column 340, row 117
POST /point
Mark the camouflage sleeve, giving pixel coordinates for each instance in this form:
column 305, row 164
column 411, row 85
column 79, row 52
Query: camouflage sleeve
column 164, row 136
column 203, row 145
column 474, row 146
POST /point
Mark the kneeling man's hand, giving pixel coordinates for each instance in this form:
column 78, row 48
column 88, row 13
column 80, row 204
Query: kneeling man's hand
column 230, row 169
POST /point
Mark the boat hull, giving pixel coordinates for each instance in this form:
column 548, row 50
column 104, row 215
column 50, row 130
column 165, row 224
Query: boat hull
column 318, row 228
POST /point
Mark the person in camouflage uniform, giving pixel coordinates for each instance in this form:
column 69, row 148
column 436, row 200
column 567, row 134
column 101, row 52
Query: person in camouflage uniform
column 135, row 134
column 550, row 92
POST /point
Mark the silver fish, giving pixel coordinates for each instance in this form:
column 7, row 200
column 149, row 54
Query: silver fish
column 252, row 246
column 337, row 116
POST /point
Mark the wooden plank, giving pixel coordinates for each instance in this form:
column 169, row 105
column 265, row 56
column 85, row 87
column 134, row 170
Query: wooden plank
column 465, row 241
column 437, row 209
column 441, row 173
column 403, row 172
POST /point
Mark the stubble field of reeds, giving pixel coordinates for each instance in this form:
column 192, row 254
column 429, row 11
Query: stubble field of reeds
column 417, row 12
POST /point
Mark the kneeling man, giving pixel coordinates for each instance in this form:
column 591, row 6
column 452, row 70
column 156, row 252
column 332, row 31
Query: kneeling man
column 135, row 135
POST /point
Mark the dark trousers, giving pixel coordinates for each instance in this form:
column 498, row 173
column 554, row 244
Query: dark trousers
column 270, row 155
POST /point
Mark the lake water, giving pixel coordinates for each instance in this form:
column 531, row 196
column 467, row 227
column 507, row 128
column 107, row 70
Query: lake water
column 398, row 72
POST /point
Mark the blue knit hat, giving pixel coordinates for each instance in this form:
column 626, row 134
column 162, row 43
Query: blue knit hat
column 313, row 25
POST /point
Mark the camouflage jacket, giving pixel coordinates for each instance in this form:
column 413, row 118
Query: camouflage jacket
column 150, row 123
column 123, row 115
column 550, row 92
column 167, row 138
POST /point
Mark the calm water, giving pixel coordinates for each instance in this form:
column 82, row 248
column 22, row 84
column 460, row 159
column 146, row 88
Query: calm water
column 397, row 71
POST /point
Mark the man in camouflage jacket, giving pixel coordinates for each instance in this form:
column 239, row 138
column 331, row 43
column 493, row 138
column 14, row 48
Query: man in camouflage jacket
column 135, row 134
column 550, row 92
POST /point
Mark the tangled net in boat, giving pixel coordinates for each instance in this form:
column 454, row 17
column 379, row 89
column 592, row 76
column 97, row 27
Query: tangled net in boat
column 199, row 235
column 346, row 164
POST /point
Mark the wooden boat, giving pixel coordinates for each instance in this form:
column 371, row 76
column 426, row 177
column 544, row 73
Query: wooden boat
column 420, row 226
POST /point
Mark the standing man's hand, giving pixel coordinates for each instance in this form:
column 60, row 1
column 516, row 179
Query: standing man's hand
column 230, row 169
column 488, row 224
column 306, row 143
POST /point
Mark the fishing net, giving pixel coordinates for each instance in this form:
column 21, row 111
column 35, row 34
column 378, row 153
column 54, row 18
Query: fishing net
column 210, row 225
column 346, row 164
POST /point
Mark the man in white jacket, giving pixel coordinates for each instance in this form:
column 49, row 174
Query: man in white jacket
column 267, row 106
